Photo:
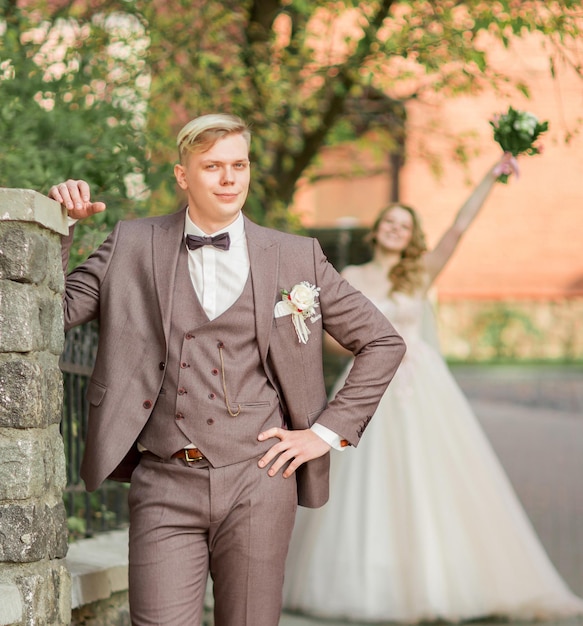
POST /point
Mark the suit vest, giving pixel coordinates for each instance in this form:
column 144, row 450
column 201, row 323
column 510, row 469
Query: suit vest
column 215, row 393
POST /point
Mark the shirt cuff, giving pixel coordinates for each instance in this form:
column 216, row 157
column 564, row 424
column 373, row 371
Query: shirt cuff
column 329, row 436
column 71, row 221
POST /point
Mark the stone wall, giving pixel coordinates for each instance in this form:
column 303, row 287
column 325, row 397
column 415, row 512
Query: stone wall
column 33, row 526
column 512, row 330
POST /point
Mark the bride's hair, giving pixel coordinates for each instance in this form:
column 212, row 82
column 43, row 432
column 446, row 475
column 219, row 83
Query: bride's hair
column 407, row 275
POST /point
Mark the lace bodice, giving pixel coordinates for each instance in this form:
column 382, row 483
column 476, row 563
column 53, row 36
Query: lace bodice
column 404, row 311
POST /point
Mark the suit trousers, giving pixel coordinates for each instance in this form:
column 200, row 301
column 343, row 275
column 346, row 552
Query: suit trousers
column 189, row 519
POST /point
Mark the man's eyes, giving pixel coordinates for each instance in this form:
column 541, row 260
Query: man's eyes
column 238, row 166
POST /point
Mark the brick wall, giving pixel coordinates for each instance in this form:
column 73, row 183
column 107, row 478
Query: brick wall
column 526, row 243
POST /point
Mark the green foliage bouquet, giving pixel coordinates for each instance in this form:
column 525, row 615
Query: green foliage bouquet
column 517, row 132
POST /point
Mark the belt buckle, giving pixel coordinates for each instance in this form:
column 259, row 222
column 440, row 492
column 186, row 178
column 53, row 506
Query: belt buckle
column 192, row 459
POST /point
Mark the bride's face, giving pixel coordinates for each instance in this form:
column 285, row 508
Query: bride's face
column 395, row 230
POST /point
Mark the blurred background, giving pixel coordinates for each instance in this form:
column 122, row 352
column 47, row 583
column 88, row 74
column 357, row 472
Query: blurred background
column 352, row 105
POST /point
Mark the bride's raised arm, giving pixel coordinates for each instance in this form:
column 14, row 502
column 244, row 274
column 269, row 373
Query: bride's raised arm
column 436, row 259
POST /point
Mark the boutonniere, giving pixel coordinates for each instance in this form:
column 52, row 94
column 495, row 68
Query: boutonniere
column 301, row 303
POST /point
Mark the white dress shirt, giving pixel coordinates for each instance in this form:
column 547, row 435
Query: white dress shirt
column 219, row 277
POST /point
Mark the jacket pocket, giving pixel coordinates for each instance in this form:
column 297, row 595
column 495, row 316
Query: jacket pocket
column 95, row 393
column 314, row 415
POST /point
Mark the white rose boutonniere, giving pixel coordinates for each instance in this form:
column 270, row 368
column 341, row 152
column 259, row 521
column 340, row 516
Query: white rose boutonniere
column 301, row 303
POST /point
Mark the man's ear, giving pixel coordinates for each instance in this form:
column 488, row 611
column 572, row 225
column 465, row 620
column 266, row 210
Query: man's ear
column 180, row 176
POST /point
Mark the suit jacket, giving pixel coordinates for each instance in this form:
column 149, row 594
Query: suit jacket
column 127, row 285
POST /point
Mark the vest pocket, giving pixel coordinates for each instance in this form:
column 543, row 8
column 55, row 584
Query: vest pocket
column 252, row 405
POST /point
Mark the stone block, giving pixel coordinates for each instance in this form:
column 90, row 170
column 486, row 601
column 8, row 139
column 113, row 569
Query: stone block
column 19, row 320
column 21, row 392
column 52, row 336
column 24, row 528
column 33, row 532
column 115, row 611
column 11, row 608
column 46, row 591
column 55, row 278
column 32, row 465
column 61, row 592
column 25, row 205
column 52, row 389
column 56, row 454
column 23, row 252
column 99, row 567
column 57, row 537
column 31, row 390
column 22, row 466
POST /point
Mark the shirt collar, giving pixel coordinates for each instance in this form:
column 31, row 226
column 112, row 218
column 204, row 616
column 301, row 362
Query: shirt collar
column 236, row 230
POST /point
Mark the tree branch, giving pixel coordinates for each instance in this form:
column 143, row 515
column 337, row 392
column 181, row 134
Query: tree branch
column 335, row 92
column 262, row 14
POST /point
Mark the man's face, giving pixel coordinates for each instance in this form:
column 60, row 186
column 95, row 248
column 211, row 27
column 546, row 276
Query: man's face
column 216, row 182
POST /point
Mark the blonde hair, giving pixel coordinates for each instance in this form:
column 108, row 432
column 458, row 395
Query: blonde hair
column 407, row 275
column 201, row 133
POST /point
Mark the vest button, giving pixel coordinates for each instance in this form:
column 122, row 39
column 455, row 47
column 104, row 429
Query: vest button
column 147, row 404
column 181, row 391
column 189, row 336
column 179, row 416
column 214, row 371
column 162, row 365
column 212, row 396
column 220, row 344
column 210, row 421
column 184, row 365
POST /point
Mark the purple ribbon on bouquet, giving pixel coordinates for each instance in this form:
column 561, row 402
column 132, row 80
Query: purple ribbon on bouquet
column 507, row 166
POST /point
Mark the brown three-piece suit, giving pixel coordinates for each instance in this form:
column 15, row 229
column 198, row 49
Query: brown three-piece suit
column 161, row 375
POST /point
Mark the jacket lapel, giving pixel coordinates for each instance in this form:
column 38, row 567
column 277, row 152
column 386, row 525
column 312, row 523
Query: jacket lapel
column 166, row 240
column 264, row 263
column 264, row 266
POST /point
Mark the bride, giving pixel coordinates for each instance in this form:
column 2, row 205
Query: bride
column 422, row 523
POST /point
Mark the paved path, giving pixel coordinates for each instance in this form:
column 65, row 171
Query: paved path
column 534, row 419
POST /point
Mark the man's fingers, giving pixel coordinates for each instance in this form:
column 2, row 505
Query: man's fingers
column 75, row 196
column 282, row 458
column 272, row 432
column 270, row 455
column 294, row 448
column 274, row 451
column 98, row 207
column 86, row 210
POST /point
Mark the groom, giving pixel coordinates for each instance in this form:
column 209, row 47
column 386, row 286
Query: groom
column 208, row 387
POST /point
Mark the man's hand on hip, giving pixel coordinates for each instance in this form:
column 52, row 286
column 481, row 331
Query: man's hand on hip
column 295, row 447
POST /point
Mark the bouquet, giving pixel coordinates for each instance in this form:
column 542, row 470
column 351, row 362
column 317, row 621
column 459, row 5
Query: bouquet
column 517, row 132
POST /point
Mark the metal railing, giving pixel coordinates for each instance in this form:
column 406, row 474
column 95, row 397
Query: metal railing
column 106, row 508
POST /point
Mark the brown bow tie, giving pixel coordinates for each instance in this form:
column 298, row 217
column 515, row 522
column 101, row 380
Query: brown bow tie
column 221, row 241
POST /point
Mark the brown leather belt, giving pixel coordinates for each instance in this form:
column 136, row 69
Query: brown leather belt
column 189, row 454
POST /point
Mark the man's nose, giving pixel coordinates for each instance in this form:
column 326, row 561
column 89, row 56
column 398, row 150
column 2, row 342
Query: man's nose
column 228, row 176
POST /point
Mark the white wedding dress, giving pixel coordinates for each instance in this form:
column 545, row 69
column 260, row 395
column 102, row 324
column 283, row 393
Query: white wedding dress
column 422, row 523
